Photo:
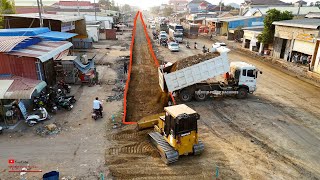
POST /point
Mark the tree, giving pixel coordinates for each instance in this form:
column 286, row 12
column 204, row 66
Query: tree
column 317, row 4
column 167, row 11
column 6, row 7
column 311, row 4
column 273, row 15
column 126, row 8
column 155, row 9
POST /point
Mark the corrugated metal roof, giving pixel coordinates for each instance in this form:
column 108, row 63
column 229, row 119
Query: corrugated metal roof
column 21, row 88
column 303, row 10
column 43, row 50
column 8, row 43
column 62, row 18
column 301, row 23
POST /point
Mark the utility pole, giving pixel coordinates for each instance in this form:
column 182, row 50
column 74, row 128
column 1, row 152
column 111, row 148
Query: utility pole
column 95, row 10
column 220, row 7
column 40, row 17
column 300, row 4
column 78, row 8
column 41, row 5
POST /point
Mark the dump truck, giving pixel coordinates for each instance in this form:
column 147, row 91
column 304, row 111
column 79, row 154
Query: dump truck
column 176, row 132
column 196, row 81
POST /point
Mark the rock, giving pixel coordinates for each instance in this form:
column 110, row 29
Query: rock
column 51, row 127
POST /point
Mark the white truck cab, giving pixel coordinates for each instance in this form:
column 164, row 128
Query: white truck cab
column 245, row 75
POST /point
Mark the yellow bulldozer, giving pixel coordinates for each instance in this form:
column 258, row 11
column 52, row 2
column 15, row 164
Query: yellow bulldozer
column 176, row 132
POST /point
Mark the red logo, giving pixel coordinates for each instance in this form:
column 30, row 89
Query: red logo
column 11, row 161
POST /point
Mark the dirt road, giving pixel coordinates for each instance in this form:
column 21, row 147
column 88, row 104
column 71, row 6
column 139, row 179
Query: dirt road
column 281, row 118
column 78, row 150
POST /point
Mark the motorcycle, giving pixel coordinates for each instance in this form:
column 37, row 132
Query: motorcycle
column 35, row 118
column 62, row 103
column 188, row 46
column 1, row 129
column 44, row 101
column 64, row 86
column 96, row 113
column 70, row 99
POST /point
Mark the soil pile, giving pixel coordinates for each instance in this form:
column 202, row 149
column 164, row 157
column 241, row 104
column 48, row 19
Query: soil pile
column 192, row 60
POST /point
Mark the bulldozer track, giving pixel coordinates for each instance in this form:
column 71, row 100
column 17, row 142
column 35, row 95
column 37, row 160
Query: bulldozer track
column 136, row 148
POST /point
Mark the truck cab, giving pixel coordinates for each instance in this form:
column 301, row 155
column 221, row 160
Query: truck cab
column 245, row 75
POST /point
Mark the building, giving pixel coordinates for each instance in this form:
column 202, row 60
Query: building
column 262, row 11
column 227, row 26
column 255, row 4
column 295, row 36
column 194, row 6
column 250, row 38
column 179, row 5
column 62, row 23
column 70, row 6
column 315, row 15
column 29, row 58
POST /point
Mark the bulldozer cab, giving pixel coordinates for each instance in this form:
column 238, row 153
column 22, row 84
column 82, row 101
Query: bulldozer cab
column 180, row 120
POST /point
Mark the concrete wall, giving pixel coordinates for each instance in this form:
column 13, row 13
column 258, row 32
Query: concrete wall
column 292, row 32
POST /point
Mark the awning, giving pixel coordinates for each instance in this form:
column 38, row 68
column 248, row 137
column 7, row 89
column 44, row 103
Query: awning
column 16, row 87
column 84, row 68
column 43, row 50
column 56, row 36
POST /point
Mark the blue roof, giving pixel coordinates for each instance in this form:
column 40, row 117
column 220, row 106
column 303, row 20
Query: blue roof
column 44, row 33
column 56, row 36
column 23, row 31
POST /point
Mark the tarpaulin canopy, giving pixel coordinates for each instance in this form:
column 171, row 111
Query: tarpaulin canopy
column 44, row 33
column 56, row 36
column 84, row 68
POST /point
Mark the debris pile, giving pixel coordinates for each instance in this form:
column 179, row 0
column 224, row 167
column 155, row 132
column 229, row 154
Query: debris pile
column 191, row 60
column 120, row 82
column 49, row 129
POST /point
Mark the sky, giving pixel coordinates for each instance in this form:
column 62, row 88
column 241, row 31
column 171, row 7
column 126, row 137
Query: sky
column 145, row 4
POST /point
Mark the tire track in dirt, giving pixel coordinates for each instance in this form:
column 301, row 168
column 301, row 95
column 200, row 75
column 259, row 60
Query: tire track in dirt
column 144, row 94
column 224, row 124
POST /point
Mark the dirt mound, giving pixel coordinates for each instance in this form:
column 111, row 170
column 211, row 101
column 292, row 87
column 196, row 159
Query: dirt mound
column 192, row 60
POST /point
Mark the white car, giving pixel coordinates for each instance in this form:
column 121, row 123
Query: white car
column 173, row 46
column 152, row 26
column 163, row 32
column 220, row 44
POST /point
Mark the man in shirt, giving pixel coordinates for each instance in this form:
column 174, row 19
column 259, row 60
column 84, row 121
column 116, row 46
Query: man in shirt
column 97, row 105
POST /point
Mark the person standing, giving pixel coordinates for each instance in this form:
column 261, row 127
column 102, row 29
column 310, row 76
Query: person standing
column 125, row 68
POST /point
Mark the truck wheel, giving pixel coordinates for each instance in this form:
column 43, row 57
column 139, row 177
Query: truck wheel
column 200, row 97
column 242, row 93
column 185, row 96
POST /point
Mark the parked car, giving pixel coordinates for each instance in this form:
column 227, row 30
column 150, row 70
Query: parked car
column 220, row 44
column 173, row 46
column 163, row 32
column 152, row 26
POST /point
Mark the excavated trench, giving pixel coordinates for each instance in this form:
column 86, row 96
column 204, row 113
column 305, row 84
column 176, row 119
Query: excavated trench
column 144, row 96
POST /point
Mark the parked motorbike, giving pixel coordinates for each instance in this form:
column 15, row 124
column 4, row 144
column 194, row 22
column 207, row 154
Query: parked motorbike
column 1, row 129
column 62, row 85
column 187, row 45
column 44, row 101
column 38, row 116
column 62, row 103
column 71, row 99
column 164, row 43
